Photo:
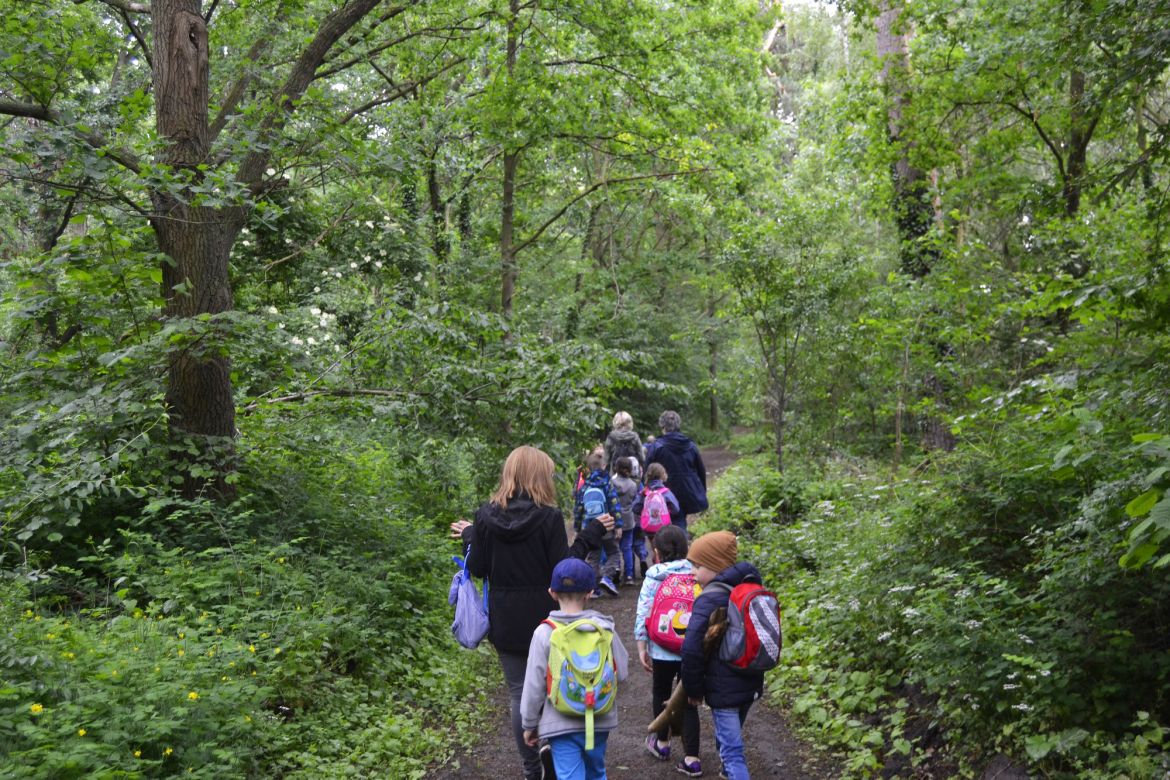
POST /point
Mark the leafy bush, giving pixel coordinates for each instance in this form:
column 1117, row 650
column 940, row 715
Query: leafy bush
column 962, row 603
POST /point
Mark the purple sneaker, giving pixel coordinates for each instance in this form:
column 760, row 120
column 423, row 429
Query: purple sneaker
column 690, row 768
column 652, row 748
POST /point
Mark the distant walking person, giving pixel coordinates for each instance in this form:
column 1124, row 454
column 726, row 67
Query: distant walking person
column 517, row 539
column 623, row 442
column 678, row 454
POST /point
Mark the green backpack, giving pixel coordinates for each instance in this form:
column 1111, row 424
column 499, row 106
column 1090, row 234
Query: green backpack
column 582, row 675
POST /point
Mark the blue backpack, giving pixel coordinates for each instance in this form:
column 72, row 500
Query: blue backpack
column 595, row 502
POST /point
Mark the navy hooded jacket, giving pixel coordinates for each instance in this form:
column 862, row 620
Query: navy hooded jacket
column 709, row 678
column 686, row 476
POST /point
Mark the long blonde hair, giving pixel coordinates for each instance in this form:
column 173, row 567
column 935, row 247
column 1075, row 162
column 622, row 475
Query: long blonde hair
column 528, row 470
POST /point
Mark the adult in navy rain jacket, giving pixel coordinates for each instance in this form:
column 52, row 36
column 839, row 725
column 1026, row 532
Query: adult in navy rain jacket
column 686, row 474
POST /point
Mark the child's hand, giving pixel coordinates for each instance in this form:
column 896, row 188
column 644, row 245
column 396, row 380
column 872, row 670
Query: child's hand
column 531, row 738
column 617, row 534
column 457, row 528
column 607, row 521
column 644, row 657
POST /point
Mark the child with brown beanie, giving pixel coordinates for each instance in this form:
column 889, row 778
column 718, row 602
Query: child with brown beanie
column 728, row 691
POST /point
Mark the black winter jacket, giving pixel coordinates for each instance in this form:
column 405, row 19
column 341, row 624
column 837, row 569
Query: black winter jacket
column 716, row 681
column 516, row 549
column 686, row 476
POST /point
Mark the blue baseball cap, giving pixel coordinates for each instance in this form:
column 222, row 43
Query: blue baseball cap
column 573, row 575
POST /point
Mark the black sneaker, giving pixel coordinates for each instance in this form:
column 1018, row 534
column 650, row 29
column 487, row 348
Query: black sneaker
column 548, row 771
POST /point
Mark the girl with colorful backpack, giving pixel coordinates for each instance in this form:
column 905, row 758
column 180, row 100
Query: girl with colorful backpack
column 653, row 498
column 660, row 623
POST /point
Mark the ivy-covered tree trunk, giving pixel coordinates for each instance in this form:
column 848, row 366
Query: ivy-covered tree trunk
column 912, row 207
column 196, row 241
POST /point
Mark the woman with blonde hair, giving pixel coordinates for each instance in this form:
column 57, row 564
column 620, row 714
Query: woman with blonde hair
column 518, row 536
column 623, row 442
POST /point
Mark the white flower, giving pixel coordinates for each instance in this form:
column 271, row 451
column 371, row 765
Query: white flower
column 297, row 340
column 1010, row 686
column 273, row 310
column 270, row 172
column 885, row 636
column 315, row 311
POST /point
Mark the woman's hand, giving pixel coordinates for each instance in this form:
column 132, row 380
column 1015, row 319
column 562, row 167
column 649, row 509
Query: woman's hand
column 457, row 528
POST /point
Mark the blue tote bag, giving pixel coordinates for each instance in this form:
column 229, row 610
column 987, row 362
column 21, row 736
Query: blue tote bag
column 471, row 611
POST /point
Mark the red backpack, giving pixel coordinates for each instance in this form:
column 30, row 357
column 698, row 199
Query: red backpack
column 671, row 611
column 753, row 640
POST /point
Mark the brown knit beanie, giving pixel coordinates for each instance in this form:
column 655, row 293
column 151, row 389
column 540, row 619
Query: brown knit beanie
column 716, row 550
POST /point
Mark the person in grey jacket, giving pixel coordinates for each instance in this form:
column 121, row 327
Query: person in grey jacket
column 624, row 442
column 572, row 583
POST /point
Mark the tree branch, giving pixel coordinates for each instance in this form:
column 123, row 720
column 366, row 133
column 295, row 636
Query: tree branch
column 122, row 5
column 330, row 31
column 588, row 190
column 228, row 107
column 95, row 140
column 313, row 243
column 401, row 91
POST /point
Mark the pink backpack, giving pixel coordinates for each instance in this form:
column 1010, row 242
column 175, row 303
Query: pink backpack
column 671, row 611
column 655, row 513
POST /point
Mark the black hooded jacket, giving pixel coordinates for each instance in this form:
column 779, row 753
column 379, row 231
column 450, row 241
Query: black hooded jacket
column 516, row 549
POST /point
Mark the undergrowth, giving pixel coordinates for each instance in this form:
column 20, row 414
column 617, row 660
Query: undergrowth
column 935, row 621
column 302, row 633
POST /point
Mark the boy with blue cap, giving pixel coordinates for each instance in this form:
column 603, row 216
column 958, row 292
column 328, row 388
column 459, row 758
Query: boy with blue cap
column 576, row 743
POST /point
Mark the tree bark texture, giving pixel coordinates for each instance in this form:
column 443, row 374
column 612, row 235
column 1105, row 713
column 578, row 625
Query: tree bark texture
column 912, row 208
column 511, row 160
column 196, row 240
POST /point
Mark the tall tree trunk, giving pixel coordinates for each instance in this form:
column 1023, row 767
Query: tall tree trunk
column 912, row 207
column 197, row 241
column 1078, row 144
column 511, row 158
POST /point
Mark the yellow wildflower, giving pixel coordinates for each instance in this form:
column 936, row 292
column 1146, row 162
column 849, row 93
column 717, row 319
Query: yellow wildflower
column 192, row 695
column 182, row 635
column 36, row 709
column 182, row 652
column 138, row 754
column 168, row 751
column 276, row 651
column 81, row 732
column 264, row 635
column 251, row 648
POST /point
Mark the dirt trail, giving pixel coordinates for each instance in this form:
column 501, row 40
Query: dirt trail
column 772, row 750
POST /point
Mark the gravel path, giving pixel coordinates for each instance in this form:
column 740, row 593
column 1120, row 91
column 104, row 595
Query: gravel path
column 773, row 751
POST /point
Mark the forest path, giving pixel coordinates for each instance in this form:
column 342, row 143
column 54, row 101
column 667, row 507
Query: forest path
column 773, row 751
